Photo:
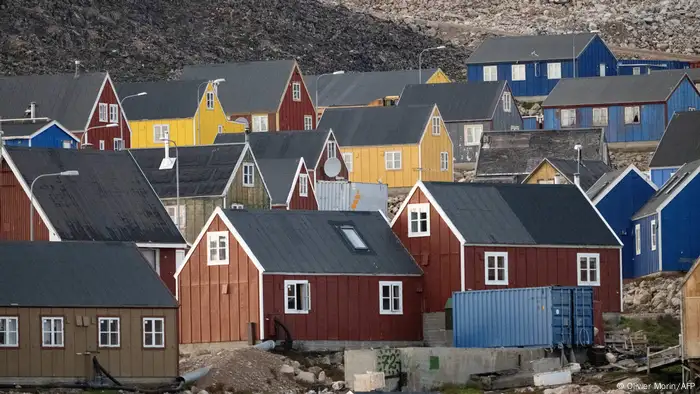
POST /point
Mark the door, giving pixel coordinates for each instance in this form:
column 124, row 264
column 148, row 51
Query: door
column 602, row 69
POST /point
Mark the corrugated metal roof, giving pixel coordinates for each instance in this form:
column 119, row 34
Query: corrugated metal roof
column 79, row 274
column 204, row 170
column 521, row 214
column 110, row 200
column 22, row 129
column 376, row 126
column 590, row 170
column 457, row 101
column 681, row 178
column 309, row 242
column 603, row 182
column 530, row 48
column 680, row 142
column 282, row 144
column 279, row 175
column 59, row 97
column 165, row 99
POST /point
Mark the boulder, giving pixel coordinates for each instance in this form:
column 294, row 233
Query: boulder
column 611, row 358
column 287, row 369
column 337, row 386
column 566, row 389
column 306, row 377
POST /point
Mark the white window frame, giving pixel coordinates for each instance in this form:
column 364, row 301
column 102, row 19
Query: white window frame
column 154, row 332
column 514, row 127
column 53, row 332
column 118, row 144
column 632, row 109
column 602, row 69
column 507, row 104
column 113, row 113
column 475, row 130
column 495, row 281
column 490, row 73
column 296, row 91
column 331, row 149
column 103, row 112
column 209, row 98
column 518, row 72
column 108, row 332
column 637, row 239
column 554, row 70
column 308, row 122
column 602, row 114
column 571, row 120
column 392, row 310
column 303, row 185
column 305, row 302
column 579, row 269
column 347, row 158
column 435, row 121
column 6, row 331
column 423, row 208
column 654, row 230
column 444, row 161
column 390, row 160
column 102, row 144
column 172, row 212
column 161, row 132
column 214, row 236
column 248, row 175
column 219, row 129
column 636, row 70
column 258, row 122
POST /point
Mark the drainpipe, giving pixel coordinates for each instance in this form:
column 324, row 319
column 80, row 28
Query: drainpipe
column 577, row 176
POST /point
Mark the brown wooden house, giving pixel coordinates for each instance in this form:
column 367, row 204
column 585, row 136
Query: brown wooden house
column 291, row 186
column 63, row 303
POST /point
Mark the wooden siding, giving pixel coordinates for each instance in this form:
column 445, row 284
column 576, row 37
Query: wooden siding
column 678, row 230
column 438, row 255
column 438, row 77
column 291, row 113
column 503, row 120
column 682, row 99
column 543, row 172
column 218, row 302
column 345, row 308
column 107, row 96
column 197, row 212
column 690, row 324
column 255, row 197
column 369, row 165
column 430, row 149
column 130, row 360
column 647, row 262
column 319, row 173
column 306, row 203
column 464, row 153
column 14, row 210
column 180, row 132
column 271, row 120
column 53, row 137
column 659, row 176
column 168, row 265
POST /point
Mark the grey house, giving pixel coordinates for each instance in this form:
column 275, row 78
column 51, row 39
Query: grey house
column 468, row 109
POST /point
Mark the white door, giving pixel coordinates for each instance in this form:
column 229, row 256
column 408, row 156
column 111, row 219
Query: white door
column 602, row 69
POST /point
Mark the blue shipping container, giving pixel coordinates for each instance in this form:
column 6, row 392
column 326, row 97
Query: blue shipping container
column 548, row 317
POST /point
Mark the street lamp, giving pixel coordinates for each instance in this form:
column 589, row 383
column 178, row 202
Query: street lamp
column 107, row 126
column 31, row 196
column 121, row 130
column 316, row 95
column 167, row 164
column 420, row 77
column 199, row 113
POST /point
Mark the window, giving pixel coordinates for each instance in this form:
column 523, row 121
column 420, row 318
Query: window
column 114, row 113
column 67, row 145
column 296, row 91
column 553, row 70
column 109, row 331
column 172, row 212
column 210, row 100
column 153, row 332
column 220, row 129
column 568, row 117
column 419, row 220
column 308, row 122
column 347, row 158
column 545, row 181
column 490, row 73
column 390, row 298
column 496, row 269
column 303, row 185
column 248, row 174
column 352, row 237
column 218, row 248
column 632, row 115
column 636, row 70
column 601, row 69
column 161, row 132
column 118, row 144
column 515, row 127
column 600, row 116
column 103, row 112
column 507, row 104
column 517, row 72
column 332, row 149
column 436, row 125
column 237, row 206
column 392, row 160
column 472, row 134
column 637, row 239
column 260, row 123
column 102, row 144
column 52, row 331
column 8, row 331
column 588, row 269
column 444, row 161
column 654, row 231
column 297, row 297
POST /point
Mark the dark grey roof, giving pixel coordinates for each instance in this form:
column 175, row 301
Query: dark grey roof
column 603, row 182
column 282, row 144
column 22, row 129
column 361, row 88
column 279, row 175
column 307, row 242
column 530, row 48
column 693, row 73
column 590, row 170
column 664, row 193
column 621, row 89
column 205, row 170
column 519, row 152
column 680, row 143
column 512, row 214
column 110, row 200
column 250, row 86
column 457, row 101
column 372, row 126
column 59, row 97
column 79, row 274
column 165, row 99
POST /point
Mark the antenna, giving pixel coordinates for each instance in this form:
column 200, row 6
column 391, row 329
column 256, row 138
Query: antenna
column 332, row 167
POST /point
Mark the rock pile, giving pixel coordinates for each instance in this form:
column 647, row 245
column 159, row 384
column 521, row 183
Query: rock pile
column 657, row 295
column 622, row 159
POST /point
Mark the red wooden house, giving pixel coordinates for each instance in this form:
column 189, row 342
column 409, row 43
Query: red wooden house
column 269, row 95
column 338, row 277
column 289, row 183
column 475, row 236
column 79, row 102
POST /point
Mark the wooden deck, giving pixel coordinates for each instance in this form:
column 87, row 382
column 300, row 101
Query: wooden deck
column 664, row 358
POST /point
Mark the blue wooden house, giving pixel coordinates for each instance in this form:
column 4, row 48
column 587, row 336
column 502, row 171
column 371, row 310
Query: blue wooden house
column 533, row 65
column 665, row 228
column 631, row 108
column 38, row 134
column 680, row 144
column 618, row 195
column 640, row 67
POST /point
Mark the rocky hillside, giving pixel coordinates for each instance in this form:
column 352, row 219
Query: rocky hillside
column 149, row 39
column 656, row 295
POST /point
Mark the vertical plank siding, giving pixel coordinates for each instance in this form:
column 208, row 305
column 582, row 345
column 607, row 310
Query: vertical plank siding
column 659, row 176
column 369, row 165
column 108, row 96
column 291, row 113
column 690, row 328
column 431, row 146
column 647, row 262
column 682, row 99
column 320, row 173
column 462, row 152
column 14, row 210
column 306, row 203
column 168, row 266
column 503, row 120
column 678, row 229
column 197, row 212
column 255, row 197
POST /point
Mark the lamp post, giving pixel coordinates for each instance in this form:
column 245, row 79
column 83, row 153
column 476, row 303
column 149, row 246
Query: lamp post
column 199, row 113
column 420, row 76
column 166, row 164
column 339, row 72
column 31, row 196
column 107, row 126
column 121, row 130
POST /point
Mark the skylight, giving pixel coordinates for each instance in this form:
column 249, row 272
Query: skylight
column 353, row 237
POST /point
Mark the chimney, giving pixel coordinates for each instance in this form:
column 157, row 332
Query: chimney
column 77, row 69
column 32, row 110
column 166, row 143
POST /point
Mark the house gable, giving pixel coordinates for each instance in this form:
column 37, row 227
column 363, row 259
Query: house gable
column 431, row 147
column 290, row 113
column 107, row 95
column 295, row 200
column 256, row 197
column 317, row 173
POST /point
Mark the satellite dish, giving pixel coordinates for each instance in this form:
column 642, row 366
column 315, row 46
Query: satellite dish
column 332, row 167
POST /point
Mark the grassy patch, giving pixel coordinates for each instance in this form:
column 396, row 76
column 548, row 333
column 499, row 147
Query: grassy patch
column 465, row 389
column 662, row 331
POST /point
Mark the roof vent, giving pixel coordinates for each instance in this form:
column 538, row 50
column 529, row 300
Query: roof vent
column 77, row 69
column 30, row 112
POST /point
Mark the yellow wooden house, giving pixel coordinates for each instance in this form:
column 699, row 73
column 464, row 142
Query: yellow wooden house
column 563, row 171
column 394, row 145
column 169, row 109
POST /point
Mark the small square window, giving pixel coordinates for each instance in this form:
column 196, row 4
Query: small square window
column 444, row 161
column 210, row 100
column 472, row 134
column 303, row 185
column 600, row 116
column 52, row 332
column 296, row 91
column 161, row 132
column 217, row 247
column 260, row 123
column 103, row 111
column 347, row 158
column 419, row 220
column 507, row 103
column 436, row 125
column 636, row 70
column 496, row 268
column 67, row 145
column 248, row 174
column 9, row 331
column 153, row 332
column 118, row 144
column 108, row 331
column 392, row 160
column 553, row 70
column 490, row 73
column 390, row 298
column 297, row 297
column 588, row 269
column 632, row 115
column 568, row 117
column 517, row 72
column 308, row 122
